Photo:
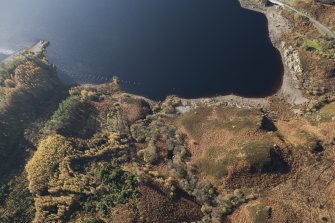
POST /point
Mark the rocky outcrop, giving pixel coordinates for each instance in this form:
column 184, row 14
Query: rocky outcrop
column 293, row 77
column 292, row 61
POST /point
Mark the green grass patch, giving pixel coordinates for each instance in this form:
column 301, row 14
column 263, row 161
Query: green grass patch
column 216, row 167
column 313, row 44
column 193, row 121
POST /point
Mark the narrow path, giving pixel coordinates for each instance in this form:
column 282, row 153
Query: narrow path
column 318, row 24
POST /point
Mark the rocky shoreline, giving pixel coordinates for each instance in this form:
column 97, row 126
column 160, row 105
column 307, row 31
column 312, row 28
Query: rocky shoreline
column 293, row 74
column 277, row 25
column 39, row 48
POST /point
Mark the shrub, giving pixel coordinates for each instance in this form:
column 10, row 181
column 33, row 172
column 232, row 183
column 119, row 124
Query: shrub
column 150, row 153
column 139, row 131
column 204, row 192
column 8, row 66
column 119, row 185
column 63, row 114
column 90, row 95
column 4, row 191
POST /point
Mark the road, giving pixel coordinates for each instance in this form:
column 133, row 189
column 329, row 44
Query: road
column 318, row 24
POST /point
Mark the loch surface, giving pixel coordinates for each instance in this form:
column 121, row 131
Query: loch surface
column 191, row 48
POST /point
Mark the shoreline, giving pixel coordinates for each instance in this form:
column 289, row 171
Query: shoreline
column 289, row 90
column 277, row 25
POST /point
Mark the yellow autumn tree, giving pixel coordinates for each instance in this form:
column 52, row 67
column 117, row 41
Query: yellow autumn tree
column 43, row 165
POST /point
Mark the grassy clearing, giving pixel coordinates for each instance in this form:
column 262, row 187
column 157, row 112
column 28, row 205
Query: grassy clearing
column 201, row 120
column 218, row 158
column 255, row 153
column 193, row 121
column 216, row 167
column 309, row 141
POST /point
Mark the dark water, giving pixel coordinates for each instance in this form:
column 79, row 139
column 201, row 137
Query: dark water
column 191, row 48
